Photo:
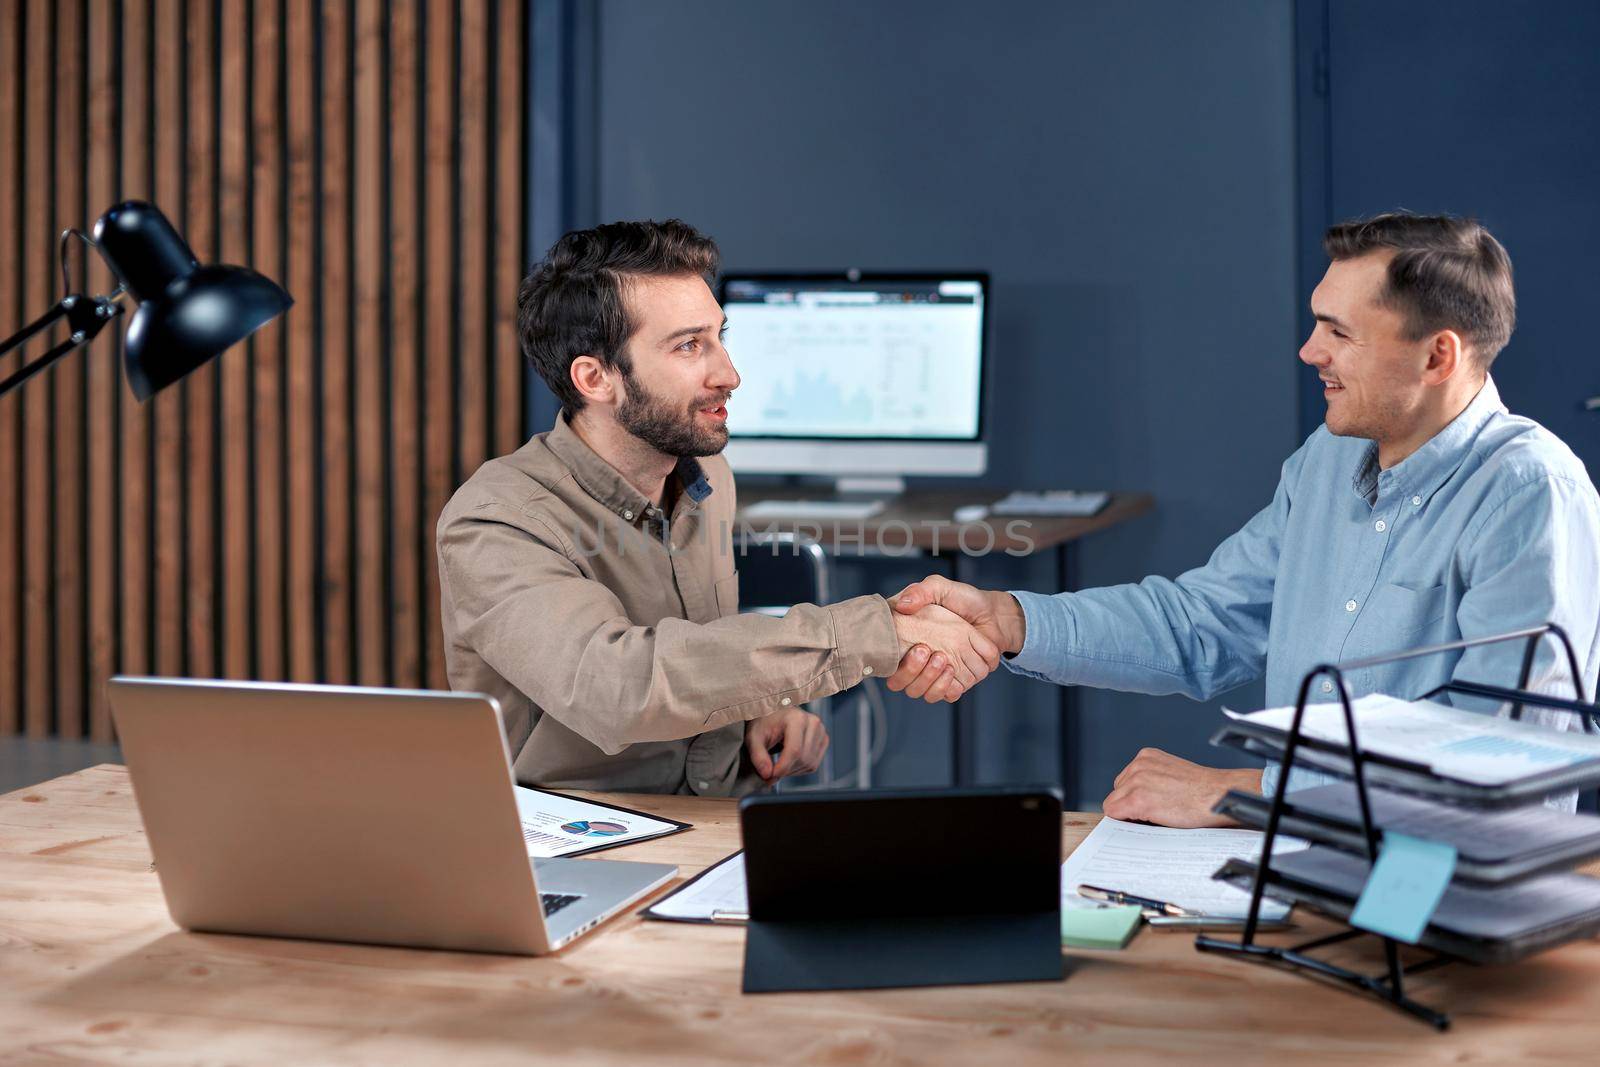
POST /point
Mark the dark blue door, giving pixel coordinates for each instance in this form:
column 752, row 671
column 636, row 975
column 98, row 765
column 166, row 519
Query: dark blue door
column 1490, row 109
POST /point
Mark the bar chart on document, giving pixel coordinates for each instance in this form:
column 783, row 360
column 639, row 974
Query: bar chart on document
column 866, row 368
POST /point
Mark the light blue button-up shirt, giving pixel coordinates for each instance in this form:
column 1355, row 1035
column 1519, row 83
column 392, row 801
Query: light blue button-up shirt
column 1493, row 525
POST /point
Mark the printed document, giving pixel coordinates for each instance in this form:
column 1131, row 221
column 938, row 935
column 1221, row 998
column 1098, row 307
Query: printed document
column 1174, row 866
column 556, row 825
column 719, row 889
column 1453, row 743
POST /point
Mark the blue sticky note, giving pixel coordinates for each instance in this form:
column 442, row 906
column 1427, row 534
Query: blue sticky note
column 1404, row 887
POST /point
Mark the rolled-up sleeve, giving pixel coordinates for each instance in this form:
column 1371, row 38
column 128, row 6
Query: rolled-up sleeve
column 564, row 639
column 1199, row 634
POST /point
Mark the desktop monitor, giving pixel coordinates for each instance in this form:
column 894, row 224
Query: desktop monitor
column 855, row 375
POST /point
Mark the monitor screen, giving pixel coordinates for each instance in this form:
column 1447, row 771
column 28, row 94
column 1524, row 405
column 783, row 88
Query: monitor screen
column 861, row 357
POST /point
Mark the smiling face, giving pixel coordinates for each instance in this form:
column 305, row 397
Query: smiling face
column 674, row 397
column 1375, row 381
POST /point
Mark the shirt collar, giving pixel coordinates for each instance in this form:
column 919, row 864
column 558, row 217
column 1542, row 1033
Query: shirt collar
column 606, row 484
column 1426, row 469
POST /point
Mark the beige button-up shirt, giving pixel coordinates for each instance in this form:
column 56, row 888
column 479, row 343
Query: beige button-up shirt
column 609, row 632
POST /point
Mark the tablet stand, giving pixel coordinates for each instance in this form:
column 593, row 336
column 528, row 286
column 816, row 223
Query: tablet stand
column 1388, row 986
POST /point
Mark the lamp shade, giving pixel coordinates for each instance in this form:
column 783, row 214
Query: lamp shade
column 187, row 313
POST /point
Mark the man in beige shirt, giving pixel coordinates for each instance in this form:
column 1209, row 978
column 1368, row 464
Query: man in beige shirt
column 588, row 579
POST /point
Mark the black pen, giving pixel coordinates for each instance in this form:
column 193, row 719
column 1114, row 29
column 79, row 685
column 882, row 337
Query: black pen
column 1117, row 896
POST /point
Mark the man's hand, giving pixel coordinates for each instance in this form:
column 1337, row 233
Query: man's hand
column 956, row 654
column 801, row 736
column 1161, row 788
column 995, row 615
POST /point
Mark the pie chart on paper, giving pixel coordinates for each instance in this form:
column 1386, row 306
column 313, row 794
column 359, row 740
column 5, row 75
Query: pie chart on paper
column 594, row 828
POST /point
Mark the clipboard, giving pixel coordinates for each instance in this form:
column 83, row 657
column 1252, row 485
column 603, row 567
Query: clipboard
column 651, row 912
column 674, row 826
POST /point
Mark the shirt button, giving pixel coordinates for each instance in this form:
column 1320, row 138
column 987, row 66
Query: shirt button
column 1380, row 526
column 1416, row 501
column 1349, row 605
column 866, row 670
column 1327, row 687
column 705, row 785
column 628, row 515
column 786, row 702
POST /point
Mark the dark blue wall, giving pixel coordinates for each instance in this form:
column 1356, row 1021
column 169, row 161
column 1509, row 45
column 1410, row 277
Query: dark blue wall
column 1125, row 170
column 1507, row 132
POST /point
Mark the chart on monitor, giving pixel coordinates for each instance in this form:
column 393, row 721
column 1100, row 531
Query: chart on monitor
column 872, row 359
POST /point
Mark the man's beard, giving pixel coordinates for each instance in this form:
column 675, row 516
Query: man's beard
column 667, row 428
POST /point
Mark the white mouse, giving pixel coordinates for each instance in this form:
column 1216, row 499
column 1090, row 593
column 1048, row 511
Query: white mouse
column 971, row 513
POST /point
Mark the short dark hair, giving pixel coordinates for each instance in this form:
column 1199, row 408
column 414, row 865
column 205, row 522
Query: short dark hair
column 572, row 303
column 1447, row 273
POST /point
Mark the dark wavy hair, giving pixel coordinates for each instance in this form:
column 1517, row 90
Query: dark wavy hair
column 572, row 303
column 1447, row 273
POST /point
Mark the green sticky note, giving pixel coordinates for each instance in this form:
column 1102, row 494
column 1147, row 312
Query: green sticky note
column 1099, row 927
column 1405, row 885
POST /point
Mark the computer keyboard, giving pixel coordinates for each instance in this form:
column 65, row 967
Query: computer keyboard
column 813, row 509
column 554, row 902
column 1055, row 502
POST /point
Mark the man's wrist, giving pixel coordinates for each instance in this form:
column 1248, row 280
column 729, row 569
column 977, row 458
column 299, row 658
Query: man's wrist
column 1011, row 621
column 1246, row 779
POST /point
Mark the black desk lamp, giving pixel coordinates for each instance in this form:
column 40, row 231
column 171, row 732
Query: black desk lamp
column 186, row 315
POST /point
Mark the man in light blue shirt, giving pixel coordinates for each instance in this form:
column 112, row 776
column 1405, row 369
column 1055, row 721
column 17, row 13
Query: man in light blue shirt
column 1421, row 512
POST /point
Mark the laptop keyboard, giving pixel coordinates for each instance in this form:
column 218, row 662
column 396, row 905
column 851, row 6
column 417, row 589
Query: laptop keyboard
column 554, row 902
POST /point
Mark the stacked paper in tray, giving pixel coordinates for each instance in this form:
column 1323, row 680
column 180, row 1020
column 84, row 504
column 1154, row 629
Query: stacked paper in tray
column 1486, row 924
column 1450, row 742
column 1492, row 846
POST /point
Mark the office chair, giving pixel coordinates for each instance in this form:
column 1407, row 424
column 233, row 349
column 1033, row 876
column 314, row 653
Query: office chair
column 776, row 572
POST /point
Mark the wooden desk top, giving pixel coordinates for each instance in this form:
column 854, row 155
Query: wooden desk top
column 922, row 518
column 92, row 969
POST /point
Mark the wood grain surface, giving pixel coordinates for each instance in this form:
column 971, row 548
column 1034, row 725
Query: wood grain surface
column 371, row 157
column 96, row 972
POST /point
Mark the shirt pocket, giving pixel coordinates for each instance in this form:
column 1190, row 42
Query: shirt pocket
column 1402, row 609
column 727, row 590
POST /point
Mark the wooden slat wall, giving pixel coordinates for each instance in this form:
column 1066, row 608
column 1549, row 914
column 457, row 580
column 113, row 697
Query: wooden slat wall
column 272, row 516
column 11, row 236
column 67, row 543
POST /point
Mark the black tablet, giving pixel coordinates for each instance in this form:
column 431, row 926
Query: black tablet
column 870, row 890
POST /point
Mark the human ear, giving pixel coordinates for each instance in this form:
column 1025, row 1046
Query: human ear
column 589, row 377
column 1444, row 356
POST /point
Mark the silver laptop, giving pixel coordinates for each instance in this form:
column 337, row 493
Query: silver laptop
column 349, row 814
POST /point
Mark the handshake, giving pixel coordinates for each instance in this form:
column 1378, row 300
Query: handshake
column 951, row 636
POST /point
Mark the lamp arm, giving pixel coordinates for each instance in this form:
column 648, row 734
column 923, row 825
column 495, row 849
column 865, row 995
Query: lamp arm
column 42, row 322
column 85, row 316
column 74, row 341
column 85, row 319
